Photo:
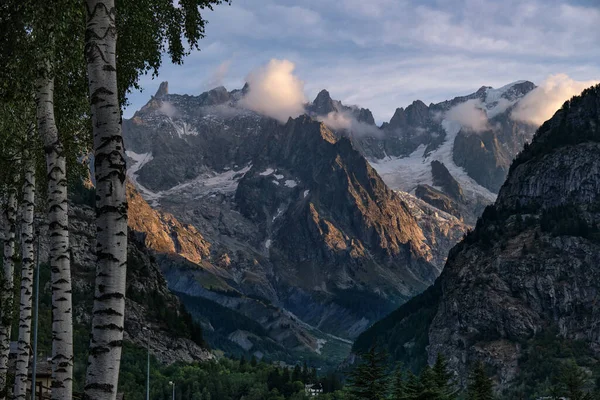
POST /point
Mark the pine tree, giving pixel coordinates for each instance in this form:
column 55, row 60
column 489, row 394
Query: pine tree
column 397, row 387
column 443, row 378
column 412, row 387
column 429, row 385
column 368, row 381
column 480, row 385
column 297, row 374
column 574, row 380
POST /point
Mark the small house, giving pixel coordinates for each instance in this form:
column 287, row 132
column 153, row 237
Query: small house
column 313, row 389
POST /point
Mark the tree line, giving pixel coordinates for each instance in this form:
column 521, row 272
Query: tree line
column 66, row 67
column 373, row 379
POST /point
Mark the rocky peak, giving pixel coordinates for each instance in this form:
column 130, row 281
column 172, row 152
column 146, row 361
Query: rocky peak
column 482, row 90
column 417, row 113
column 216, row 96
column 163, row 90
column 323, row 103
column 398, row 119
column 443, row 178
column 365, row 115
column 518, row 90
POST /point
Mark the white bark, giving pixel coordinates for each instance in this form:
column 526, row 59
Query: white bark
column 111, row 203
column 27, row 259
column 58, row 220
column 6, row 285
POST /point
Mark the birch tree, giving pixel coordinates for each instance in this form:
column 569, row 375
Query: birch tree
column 6, row 279
column 42, row 50
column 27, row 261
column 147, row 29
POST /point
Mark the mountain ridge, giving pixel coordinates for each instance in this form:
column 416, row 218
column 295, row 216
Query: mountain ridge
column 528, row 268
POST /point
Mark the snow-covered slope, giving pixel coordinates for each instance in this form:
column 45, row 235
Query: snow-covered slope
column 405, row 173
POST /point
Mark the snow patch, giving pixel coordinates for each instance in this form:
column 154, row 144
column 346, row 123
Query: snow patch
column 320, row 344
column 183, row 128
column 139, row 160
column 291, row 183
column 278, row 176
column 268, row 244
column 306, row 192
column 405, row 173
column 267, row 172
column 280, row 211
column 208, row 184
column 275, row 182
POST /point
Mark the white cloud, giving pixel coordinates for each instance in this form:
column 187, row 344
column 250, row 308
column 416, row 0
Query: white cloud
column 167, row 109
column 345, row 121
column 541, row 103
column 470, row 115
column 275, row 91
column 384, row 54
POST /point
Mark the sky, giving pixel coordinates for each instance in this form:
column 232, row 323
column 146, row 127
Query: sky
column 384, row 54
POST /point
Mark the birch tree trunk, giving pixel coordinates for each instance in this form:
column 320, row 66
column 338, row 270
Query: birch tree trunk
column 27, row 212
column 58, row 220
column 111, row 204
column 6, row 292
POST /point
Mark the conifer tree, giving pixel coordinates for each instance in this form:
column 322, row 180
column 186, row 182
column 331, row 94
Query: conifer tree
column 412, row 387
column 443, row 378
column 574, row 380
column 480, row 385
column 397, row 384
column 368, row 381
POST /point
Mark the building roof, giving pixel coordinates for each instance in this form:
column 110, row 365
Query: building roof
column 43, row 369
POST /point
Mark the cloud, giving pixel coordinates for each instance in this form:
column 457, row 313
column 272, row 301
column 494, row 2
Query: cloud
column 540, row 104
column 344, row 121
column 167, row 109
column 470, row 115
column 218, row 75
column 275, row 91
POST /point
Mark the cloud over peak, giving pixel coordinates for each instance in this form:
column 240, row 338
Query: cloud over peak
column 470, row 115
column 541, row 103
column 275, row 91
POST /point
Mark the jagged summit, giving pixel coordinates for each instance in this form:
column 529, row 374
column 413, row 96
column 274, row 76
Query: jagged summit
column 323, row 103
column 163, row 89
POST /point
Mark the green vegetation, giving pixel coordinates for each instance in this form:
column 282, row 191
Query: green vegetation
column 550, row 364
column 225, row 379
column 371, row 380
column 409, row 324
column 480, row 386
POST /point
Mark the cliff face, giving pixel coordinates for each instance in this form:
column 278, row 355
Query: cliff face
column 171, row 334
column 332, row 228
column 530, row 267
column 162, row 232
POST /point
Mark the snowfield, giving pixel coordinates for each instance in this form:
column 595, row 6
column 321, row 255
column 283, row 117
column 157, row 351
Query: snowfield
column 405, row 173
column 207, row 184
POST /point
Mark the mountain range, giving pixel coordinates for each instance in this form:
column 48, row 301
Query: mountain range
column 316, row 228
